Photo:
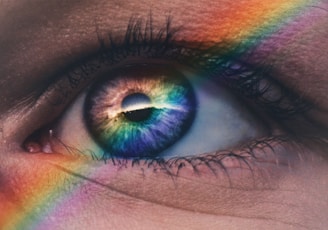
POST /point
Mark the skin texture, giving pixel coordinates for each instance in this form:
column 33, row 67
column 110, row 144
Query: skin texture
column 40, row 38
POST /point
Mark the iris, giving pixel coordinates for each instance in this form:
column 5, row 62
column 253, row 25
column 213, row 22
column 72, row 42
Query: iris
column 139, row 111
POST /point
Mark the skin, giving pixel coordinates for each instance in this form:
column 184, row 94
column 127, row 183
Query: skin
column 38, row 38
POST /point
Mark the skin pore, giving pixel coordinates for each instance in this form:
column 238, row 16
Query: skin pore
column 286, row 190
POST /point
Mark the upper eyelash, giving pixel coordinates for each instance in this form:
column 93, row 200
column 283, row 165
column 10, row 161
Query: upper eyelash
column 215, row 61
column 260, row 87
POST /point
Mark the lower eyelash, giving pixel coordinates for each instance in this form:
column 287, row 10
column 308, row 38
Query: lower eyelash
column 215, row 162
column 257, row 151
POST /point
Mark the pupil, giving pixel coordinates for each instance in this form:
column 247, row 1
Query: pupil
column 137, row 107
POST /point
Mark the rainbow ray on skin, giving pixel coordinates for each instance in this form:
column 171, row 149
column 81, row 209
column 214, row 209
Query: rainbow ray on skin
column 247, row 23
column 170, row 111
column 36, row 204
column 239, row 22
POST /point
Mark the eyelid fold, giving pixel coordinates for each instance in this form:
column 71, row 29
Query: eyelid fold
column 218, row 61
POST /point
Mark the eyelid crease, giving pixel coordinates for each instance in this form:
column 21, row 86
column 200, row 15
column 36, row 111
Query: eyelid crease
column 216, row 61
column 138, row 41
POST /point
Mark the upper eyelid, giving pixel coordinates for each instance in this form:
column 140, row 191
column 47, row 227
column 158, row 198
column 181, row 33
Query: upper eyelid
column 202, row 55
column 135, row 27
column 53, row 19
column 164, row 36
column 56, row 83
column 191, row 52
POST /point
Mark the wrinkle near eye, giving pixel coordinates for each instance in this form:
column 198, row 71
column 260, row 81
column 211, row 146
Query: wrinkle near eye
column 178, row 191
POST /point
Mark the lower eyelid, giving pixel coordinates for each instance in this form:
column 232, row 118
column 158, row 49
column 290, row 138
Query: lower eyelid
column 242, row 178
column 236, row 191
column 178, row 182
column 274, row 154
column 272, row 151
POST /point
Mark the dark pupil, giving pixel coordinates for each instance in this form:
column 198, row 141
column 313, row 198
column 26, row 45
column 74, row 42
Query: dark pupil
column 137, row 114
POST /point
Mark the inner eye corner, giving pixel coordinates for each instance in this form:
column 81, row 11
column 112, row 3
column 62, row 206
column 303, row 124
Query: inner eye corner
column 38, row 141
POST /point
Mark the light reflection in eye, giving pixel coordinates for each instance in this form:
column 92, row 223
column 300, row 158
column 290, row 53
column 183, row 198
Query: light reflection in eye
column 218, row 121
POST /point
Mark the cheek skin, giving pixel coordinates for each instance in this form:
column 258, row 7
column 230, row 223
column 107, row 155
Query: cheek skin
column 44, row 192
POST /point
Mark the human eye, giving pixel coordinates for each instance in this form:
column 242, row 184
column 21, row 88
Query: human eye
column 142, row 105
column 231, row 134
column 136, row 100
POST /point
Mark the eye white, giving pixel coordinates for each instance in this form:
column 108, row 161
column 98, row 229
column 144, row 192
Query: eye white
column 221, row 121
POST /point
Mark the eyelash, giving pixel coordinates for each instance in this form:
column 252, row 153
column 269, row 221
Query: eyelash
column 245, row 80
column 222, row 65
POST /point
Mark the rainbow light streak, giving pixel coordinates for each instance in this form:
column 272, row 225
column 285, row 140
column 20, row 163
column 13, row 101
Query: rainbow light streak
column 46, row 194
column 247, row 23
column 241, row 22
